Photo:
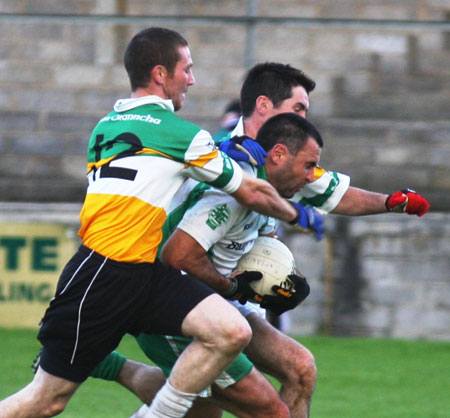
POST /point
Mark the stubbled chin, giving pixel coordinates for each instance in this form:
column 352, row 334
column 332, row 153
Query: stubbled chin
column 181, row 100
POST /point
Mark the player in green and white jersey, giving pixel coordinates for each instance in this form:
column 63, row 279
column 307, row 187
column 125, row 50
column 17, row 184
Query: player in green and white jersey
column 270, row 89
column 225, row 231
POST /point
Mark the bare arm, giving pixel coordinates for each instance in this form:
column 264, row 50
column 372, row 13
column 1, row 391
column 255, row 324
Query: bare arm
column 357, row 202
column 261, row 196
column 184, row 253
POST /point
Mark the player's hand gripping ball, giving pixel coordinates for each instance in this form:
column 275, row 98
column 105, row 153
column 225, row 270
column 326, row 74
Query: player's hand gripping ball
column 408, row 201
column 240, row 286
column 287, row 299
column 280, row 288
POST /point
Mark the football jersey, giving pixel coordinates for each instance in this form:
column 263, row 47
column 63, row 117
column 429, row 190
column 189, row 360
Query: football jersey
column 138, row 157
column 220, row 224
column 224, row 228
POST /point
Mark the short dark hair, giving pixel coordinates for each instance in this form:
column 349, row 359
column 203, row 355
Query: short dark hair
column 289, row 129
column 273, row 80
column 148, row 48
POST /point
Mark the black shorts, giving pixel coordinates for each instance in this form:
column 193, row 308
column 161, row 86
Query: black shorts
column 99, row 300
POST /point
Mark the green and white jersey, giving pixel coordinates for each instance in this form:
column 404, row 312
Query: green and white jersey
column 324, row 193
column 139, row 155
column 224, row 228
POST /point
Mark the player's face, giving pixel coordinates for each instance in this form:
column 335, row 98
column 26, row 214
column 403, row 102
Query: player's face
column 298, row 103
column 177, row 84
column 296, row 171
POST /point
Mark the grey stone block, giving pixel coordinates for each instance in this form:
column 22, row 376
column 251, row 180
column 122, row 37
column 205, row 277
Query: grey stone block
column 67, row 123
column 18, row 121
column 43, row 143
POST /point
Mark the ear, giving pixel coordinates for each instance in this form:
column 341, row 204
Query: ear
column 263, row 105
column 159, row 74
column 278, row 153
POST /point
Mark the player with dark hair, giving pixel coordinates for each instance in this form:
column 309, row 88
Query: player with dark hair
column 212, row 248
column 270, row 350
column 276, row 81
column 292, row 95
column 138, row 157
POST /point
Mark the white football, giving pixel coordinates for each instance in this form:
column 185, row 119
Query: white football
column 274, row 260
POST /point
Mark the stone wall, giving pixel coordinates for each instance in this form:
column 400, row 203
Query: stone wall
column 382, row 104
column 382, row 96
column 382, row 276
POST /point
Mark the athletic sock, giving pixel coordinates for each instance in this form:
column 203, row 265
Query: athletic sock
column 141, row 412
column 170, row 403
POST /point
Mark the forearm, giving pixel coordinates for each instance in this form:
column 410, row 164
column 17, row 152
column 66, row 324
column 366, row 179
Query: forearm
column 182, row 252
column 358, row 202
column 262, row 197
column 203, row 269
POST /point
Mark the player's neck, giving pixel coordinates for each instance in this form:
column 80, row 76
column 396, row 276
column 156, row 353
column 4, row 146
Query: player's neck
column 251, row 127
column 150, row 90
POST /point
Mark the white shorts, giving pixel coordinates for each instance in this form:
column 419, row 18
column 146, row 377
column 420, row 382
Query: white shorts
column 249, row 308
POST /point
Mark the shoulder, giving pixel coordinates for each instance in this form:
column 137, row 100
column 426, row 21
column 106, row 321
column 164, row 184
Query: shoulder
column 173, row 121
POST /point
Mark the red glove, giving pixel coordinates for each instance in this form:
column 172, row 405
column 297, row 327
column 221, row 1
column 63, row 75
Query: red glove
column 408, row 201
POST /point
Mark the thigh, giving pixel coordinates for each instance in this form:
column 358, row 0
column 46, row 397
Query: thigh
column 48, row 389
column 99, row 300
column 212, row 319
column 204, row 407
column 164, row 351
column 96, row 302
column 173, row 295
column 251, row 396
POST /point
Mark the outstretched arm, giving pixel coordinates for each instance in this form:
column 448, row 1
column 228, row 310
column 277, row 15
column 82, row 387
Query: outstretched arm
column 356, row 202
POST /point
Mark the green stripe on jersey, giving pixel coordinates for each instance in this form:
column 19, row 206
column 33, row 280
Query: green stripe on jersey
column 319, row 200
column 227, row 173
column 176, row 215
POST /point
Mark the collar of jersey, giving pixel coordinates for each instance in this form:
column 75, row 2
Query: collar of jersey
column 239, row 129
column 122, row 105
column 261, row 173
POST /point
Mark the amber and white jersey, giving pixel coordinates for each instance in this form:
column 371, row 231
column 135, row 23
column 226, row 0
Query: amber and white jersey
column 138, row 157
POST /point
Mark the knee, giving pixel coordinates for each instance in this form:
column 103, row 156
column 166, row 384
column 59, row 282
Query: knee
column 275, row 407
column 269, row 405
column 54, row 407
column 304, row 368
column 236, row 335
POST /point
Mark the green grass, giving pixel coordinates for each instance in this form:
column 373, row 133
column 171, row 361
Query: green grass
column 358, row 378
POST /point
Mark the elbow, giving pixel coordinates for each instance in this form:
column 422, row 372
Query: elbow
column 172, row 258
column 249, row 200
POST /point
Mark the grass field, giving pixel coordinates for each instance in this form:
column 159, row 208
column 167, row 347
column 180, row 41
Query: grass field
column 358, row 378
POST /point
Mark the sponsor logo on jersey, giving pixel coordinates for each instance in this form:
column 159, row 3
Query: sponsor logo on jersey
column 237, row 246
column 121, row 118
column 217, row 216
